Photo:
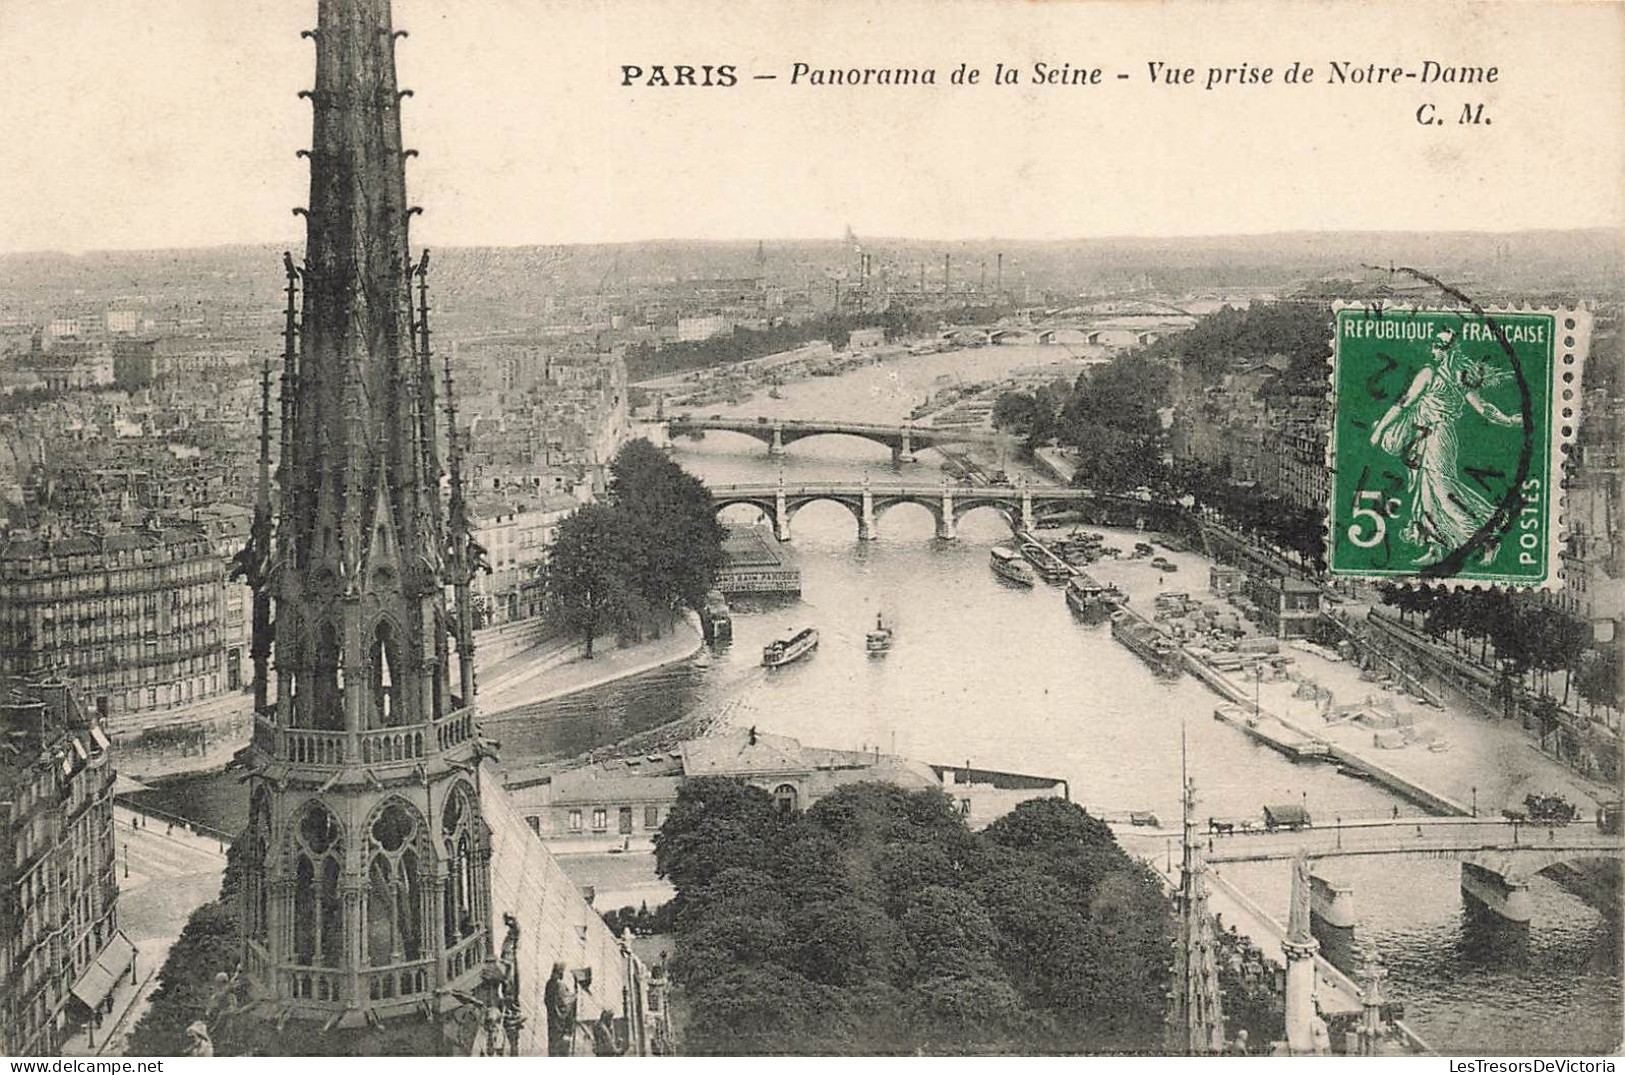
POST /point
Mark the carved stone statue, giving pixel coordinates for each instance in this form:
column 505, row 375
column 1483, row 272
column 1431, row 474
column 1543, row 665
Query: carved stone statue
column 1298, row 928
column 197, row 1040
column 559, row 998
column 511, row 1017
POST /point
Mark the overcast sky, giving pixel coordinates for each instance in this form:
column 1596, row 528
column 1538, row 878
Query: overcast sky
column 161, row 123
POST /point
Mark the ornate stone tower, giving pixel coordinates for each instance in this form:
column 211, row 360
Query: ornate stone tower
column 366, row 864
column 1196, row 1014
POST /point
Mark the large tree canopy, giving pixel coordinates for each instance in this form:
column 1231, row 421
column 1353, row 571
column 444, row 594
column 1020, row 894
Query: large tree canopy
column 877, row 921
column 651, row 548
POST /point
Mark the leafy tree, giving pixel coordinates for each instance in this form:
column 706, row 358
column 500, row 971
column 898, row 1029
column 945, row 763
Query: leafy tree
column 588, row 571
column 1599, row 678
column 652, row 548
column 211, row 942
column 716, row 824
column 765, row 1009
column 876, row 920
column 1014, row 411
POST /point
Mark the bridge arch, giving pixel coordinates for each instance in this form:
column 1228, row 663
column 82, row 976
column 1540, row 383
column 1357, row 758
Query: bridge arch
column 1007, row 505
column 765, row 507
column 790, row 437
column 885, row 504
column 854, row 506
column 762, row 436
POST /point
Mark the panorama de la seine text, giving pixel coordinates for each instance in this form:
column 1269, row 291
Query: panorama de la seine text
column 1342, row 72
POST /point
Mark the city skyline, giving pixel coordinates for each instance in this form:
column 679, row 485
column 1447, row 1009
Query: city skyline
column 177, row 131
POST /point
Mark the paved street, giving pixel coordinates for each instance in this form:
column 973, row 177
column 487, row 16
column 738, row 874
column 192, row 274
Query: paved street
column 171, row 873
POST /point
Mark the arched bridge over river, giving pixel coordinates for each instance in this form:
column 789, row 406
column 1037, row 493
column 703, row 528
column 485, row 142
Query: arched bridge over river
column 948, row 503
column 903, row 440
column 1498, row 856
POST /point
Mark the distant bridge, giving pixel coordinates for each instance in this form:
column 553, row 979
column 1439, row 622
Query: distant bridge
column 1498, row 856
column 903, row 440
column 947, row 503
column 1056, row 331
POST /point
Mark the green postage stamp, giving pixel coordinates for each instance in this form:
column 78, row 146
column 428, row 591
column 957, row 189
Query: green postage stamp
column 1448, row 428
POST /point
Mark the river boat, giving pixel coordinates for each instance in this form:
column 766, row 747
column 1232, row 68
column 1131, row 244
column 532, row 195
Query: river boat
column 1091, row 601
column 1006, row 564
column 1049, row 568
column 716, row 620
column 879, row 640
column 785, row 650
column 1147, row 643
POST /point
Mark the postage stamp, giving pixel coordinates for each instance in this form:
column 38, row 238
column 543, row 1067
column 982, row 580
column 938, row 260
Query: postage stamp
column 1448, row 428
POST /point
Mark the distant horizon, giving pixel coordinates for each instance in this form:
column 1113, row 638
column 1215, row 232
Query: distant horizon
column 860, row 238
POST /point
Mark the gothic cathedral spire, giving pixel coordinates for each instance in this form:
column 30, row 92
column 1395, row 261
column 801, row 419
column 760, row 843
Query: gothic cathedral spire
column 367, row 861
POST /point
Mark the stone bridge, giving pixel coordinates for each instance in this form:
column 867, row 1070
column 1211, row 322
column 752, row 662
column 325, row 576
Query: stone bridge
column 903, row 440
column 867, row 502
column 1498, row 856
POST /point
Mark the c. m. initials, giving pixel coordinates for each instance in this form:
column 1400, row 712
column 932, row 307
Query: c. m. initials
column 1471, row 115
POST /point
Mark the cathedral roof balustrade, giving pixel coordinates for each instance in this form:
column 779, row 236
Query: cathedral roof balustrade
column 398, row 981
column 375, row 746
column 314, row 989
column 469, row 954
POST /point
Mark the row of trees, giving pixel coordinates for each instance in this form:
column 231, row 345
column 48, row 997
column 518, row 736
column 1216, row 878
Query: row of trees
column 1109, row 418
column 646, row 360
column 634, row 560
column 1526, row 639
column 1270, row 518
column 878, row 922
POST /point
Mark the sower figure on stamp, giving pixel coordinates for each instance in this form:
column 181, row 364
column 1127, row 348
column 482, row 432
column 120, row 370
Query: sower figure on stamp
column 1420, row 428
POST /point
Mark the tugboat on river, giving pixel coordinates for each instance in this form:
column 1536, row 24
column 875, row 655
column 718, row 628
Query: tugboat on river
column 1006, row 564
column 794, row 648
column 878, row 642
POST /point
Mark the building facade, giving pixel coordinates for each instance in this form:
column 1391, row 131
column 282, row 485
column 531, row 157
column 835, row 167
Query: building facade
column 61, row 950
column 136, row 618
column 628, row 799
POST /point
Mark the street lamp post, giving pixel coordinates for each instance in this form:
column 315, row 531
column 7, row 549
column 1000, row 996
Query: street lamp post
column 1475, row 800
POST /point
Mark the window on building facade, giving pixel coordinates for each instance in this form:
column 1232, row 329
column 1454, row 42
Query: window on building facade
column 463, row 900
column 383, row 662
column 575, row 820
column 786, row 798
column 651, row 817
column 395, row 854
column 318, row 908
column 600, row 819
column 255, row 859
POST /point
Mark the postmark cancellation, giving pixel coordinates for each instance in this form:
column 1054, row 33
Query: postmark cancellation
column 1449, row 431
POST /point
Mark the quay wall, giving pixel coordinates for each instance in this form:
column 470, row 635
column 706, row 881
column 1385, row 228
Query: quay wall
column 1410, row 789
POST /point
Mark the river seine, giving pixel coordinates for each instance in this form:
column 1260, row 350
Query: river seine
column 1004, row 678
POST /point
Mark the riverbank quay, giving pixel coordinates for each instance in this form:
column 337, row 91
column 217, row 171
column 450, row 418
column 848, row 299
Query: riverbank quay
column 1431, row 667
column 1589, row 746
column 565, row 668
column 1449, row 763
column 509, row 662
